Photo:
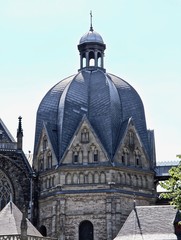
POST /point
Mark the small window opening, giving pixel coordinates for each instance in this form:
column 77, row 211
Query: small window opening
column 123, row 159
column 99, row 59
column 76, row 158
column 95, row 156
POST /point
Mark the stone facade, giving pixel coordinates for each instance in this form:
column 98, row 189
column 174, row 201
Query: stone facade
column 88, row 188
column 15, row 172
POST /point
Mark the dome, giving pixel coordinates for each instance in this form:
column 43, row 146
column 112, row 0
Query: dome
column 91, row 36
column 105, row 99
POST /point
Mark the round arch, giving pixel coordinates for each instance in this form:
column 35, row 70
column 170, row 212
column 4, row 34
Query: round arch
column 43, row 230
column 86, row 230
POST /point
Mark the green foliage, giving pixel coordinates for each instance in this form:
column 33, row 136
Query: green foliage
column 173, row 187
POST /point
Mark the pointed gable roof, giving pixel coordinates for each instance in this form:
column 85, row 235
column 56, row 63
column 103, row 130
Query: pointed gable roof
column 97, row 140
column 10, row 222
column 124, row 130
column 5, row 133
column 51, row 131
column 149, row 222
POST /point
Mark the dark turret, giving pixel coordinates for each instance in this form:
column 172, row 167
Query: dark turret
column 19, row 135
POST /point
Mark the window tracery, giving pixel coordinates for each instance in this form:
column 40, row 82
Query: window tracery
column 45, row 143
column 103, row 177
column 124, row 157
column 5, row 189
column 94, row 153
column 49, row 160
column 137, row 154
column 131, row 139
column 41, row 162
column 76, row 153
column 84, row 135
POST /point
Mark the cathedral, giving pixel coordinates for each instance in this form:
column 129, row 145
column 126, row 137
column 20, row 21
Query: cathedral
column 93, row 154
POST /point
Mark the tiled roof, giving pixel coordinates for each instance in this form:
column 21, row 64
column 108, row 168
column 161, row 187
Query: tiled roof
column 149, row 223
column 10, row 222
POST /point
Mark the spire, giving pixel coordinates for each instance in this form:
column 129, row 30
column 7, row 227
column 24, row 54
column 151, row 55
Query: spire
column 19, row 135
column 91, row 28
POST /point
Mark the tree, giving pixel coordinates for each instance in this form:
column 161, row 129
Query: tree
column 173, row 186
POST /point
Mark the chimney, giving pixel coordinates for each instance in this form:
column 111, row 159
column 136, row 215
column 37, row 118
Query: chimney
column 19, row 135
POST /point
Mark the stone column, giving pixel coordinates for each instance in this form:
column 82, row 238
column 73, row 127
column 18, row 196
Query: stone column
column 61, row 219
column 109, row 218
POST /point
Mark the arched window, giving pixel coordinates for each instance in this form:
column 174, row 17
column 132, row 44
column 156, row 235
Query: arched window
column 91, row 59
column 68, row 179
column 137, row 157
column 43, row 231
column 41, row 163
column 124, row 156
column 123, row 159
column 81, row 178
column 76, row 153
column 85, row 135
column 90, row 178
column 5, row 189
column 99, row 58
column 83, row 61
column 96, row 177
column 49, row 160
column 45, row 143
column 94, row 153
column 75, row 178
column 86, row 231
column 103, row 177
column 131, row 140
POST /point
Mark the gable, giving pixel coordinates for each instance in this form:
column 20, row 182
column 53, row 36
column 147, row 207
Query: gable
column 45, row 157
column 150, row 222
column 10, row 219
column 131, row 151
column 85, row 147
column 5, row 135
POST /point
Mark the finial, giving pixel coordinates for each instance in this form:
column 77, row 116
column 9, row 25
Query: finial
column 20, row 130
column 19, row 134
column 91, row 28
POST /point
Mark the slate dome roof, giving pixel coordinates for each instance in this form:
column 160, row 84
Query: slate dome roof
column 91, row 36
column 105, row 99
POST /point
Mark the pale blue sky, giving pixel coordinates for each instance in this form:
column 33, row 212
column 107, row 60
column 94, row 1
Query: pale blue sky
column 38, row 48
